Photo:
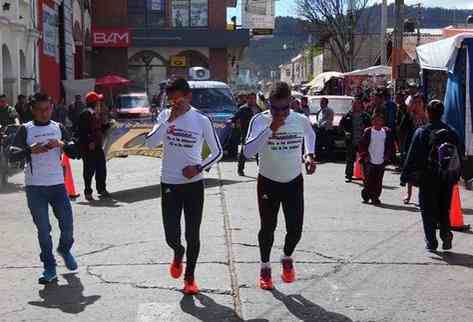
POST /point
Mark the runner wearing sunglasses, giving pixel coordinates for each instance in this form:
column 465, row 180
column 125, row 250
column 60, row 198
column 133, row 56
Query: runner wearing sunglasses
column 278, row 136
column 183, row 130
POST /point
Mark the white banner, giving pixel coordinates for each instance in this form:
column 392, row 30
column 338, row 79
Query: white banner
column 180, row 13
column 156, row 5
column 50, row 32
column 258, row 14
column 199, row 13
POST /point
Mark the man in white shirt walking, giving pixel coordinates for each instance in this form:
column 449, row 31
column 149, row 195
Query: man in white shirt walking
column 278, row 136
column 41, row 142
column 182, row 130
column 324, row 130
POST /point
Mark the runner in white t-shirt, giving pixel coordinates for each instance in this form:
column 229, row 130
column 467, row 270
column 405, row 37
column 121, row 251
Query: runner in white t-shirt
column 277, row 136
column 182, row 130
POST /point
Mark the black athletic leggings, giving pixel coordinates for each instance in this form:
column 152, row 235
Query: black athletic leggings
column 271, row 195
column 174, row 199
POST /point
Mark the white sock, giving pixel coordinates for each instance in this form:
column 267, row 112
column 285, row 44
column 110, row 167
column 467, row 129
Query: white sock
column 284, row 257
column 266, row 265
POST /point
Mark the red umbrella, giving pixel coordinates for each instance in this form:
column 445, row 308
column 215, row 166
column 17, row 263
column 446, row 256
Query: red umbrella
column 111, row 81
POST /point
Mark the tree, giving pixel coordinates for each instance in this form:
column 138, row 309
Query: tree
column 338, row 24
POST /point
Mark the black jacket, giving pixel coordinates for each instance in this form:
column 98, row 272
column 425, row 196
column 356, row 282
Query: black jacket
column 244, row 115
column 417, row 161
column 346, row 124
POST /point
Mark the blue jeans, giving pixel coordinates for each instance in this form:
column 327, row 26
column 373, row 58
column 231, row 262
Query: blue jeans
column 39, row 198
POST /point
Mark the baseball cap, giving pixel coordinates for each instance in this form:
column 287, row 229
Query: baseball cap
column 93, row 97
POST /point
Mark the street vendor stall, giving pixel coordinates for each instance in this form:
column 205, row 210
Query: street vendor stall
column 328, row 83
column 366, row 80
column 454, row 56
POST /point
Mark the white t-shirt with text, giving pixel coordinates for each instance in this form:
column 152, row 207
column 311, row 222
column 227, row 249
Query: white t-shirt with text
column 183, row 140
column 280, row 154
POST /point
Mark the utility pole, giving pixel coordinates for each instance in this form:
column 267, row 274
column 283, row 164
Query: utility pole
column 419, row 22
column 397, row 44
column 351, row 49
column 384, row 22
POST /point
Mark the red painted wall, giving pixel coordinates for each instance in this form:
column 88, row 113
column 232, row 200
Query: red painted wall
column 49, row 69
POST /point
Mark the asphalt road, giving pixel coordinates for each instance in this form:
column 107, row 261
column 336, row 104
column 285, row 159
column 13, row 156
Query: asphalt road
column 355, row 262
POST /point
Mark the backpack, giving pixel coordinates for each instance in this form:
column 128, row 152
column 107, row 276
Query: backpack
column 444, row 156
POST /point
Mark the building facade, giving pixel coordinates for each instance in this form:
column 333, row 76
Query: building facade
column 149, row 41
column 64, row 48
column 19, row 48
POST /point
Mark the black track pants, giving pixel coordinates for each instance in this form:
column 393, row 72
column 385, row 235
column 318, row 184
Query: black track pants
column 174, row 199
column 271, row 195
column 95, row 164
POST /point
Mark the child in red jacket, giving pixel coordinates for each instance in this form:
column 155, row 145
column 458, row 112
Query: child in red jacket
column 376, row 150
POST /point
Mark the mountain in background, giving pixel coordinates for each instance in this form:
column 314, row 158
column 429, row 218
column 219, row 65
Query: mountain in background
column 291, row 36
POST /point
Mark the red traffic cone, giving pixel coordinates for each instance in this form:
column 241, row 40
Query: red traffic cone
column 68, row 178
column 456, row 213
column 358, row 169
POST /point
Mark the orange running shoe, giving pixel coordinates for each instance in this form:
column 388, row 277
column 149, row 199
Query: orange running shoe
column 176, row 268
column 190, row 287
column 265, row 281
column 288, row 273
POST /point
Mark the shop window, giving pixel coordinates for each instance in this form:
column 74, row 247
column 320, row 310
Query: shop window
column 190, row 13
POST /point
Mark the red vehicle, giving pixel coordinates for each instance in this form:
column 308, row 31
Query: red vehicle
column 133, row 106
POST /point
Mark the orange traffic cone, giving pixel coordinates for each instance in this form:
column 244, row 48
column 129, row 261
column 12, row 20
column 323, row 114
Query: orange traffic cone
column 456, row 213
column 358, row 169
column 68, row 179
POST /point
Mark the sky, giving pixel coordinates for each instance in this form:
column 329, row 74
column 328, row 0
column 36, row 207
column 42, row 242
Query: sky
column 288, row 7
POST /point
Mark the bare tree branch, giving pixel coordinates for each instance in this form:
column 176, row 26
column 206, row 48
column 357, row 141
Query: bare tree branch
column 334, row 20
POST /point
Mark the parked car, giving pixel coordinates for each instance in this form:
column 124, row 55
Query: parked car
column 133, row 106
column 340, row 105
column 215, row 99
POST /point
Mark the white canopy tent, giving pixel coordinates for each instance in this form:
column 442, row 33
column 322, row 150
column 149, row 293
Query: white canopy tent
column 318, row 83
column 372, row 71
column 455, row 56
column 442, row 54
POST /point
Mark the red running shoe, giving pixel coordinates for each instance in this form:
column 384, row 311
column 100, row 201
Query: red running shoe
column 288, row 273
column 265, row 281
column 176, row 268
column 190, row 287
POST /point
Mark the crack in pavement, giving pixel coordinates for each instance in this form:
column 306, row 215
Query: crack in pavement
column 114, row 264
column 107, row 248
column 152, row 287
column 305, row 262
column 235, row 284
column 13, row 311
column 337, row 259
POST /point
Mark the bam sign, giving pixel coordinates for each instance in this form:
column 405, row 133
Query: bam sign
column 111, row 38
